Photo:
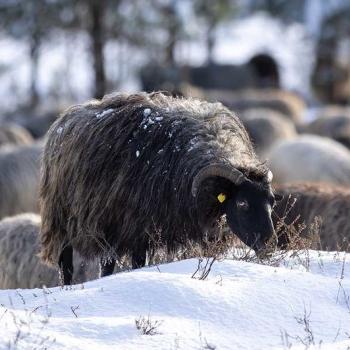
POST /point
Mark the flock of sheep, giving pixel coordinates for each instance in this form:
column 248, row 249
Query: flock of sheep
column 310, row 161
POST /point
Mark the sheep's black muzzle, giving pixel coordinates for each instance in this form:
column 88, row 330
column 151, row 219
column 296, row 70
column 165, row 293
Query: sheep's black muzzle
column 264, row 248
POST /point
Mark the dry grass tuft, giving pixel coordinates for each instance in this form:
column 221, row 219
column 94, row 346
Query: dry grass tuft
column 146, row 326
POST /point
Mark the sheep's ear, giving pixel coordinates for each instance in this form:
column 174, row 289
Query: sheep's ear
column 278, row 197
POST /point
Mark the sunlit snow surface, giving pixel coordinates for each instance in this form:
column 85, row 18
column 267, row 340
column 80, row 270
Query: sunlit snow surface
column 241, row 305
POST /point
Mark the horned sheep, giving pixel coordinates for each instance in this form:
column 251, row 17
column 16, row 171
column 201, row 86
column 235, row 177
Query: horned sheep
column 118, row 171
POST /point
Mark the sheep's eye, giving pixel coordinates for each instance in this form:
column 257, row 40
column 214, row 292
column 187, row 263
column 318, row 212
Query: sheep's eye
column 242, row 204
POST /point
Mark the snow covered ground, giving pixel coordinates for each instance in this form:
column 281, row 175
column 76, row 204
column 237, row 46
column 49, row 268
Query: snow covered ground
column 241, row 305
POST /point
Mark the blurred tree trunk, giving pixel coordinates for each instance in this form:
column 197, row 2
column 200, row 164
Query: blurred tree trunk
column 34, row 65
column 213, row 13
column 97, row 37
column 210, row 42
column 170, row 46
column 172, row 27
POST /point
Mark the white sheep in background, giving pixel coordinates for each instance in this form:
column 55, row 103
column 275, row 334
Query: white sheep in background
column 19, row 178
column 12, row 134
column 266, row 127
column 20, row 267
column 310, row 158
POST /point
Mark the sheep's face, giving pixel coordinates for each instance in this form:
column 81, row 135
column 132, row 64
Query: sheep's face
column 248, row 211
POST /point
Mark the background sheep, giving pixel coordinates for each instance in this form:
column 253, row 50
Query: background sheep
column 39, row 125
column 37, row 122
column 14, row 134
column 331, row 204
column 118, row 171
column 266, row 127
column 310, row 158
column 20, row 266
column 333, row 122
column 287, row 103
column 19, row 179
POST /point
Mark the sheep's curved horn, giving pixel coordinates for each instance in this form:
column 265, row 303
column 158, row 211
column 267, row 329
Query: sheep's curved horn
column 221, row 170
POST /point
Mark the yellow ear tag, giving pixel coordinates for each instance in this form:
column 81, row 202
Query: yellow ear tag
column 221, row 198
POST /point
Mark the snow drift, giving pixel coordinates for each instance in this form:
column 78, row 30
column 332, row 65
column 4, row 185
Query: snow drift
column 302, row 303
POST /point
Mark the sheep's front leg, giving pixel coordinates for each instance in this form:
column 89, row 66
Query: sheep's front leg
column 65, row 263
column 106, row 267
column 138, row 259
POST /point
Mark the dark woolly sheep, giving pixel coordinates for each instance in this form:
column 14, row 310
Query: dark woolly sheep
column 266, row 127
column 310, row 158
column 11, row 134
column 120, row 171
column 19, row 179
column 303, row 202
column 20, row 266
